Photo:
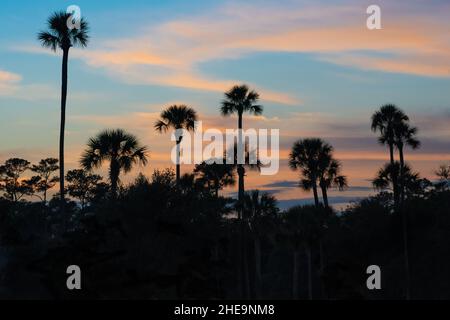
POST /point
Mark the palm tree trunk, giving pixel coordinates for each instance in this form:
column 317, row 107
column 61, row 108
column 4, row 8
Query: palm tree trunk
column 394, row 177
column 402, row 178
column 62, row 129
column 321, row 251
column 309, row 257
column 114, row 171
column 240, row 169
column 316, row 195
column 325, row 196
column 258, row 273
column 243, row 252
column 178, row 171
column 295, row 275
column 404, row 225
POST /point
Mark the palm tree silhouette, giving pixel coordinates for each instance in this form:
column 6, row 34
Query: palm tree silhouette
column 59, row 35
column 120, row 148
column 215, row 176
column 404, row 135
column 386, row 177
column 177, row 117
column 310, row 155
column 330, row 177
column 386, row 121
column 259, row 209
column 392, row 123
column 240, row 99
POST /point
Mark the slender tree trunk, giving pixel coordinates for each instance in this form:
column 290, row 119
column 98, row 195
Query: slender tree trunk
column 114, row 172
column 316, row 195
column 394, row 177
column 325, row 196
column 243, row 262
column 402, row 178
column 309, row 257
column 391, row 152
column 295, row 275
column 258, row 272
column 178, row 170
column 321, row 251
column 404, row 225
column 240, row 166
column 62, row 130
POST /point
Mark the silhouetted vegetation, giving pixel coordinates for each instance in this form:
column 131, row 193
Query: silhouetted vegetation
column 160, row 239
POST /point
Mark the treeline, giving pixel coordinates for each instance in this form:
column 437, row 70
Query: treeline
column 161, row 239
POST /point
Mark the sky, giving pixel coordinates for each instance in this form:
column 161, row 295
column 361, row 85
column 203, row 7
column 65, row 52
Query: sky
column 319, row 70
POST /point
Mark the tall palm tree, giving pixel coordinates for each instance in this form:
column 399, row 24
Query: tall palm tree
column 177, row 117
column 385, row 178
column 386, row 120
column 392, row 123
column 260, row 210
column 238, row 100
column 59, row 35
column 215, row 176
column 405, row 135
column 310, row 155
column 121, row 149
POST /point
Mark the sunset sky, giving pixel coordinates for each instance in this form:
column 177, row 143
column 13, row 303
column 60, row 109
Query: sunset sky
column 320, row 73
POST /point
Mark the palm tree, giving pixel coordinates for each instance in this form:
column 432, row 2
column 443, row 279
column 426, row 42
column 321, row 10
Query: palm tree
column 231, row 157
column 404, row 135
column 260, row 209
column 120, row 148
column 215, row 175
column 330, row 177
column 240, row 99
column 385, row 178
column 59, row 35
column 302, row 226
column 177, row 117
column 386, row 121
column 310, row 155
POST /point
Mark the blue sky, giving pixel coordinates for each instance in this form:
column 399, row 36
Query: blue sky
column 320, row 72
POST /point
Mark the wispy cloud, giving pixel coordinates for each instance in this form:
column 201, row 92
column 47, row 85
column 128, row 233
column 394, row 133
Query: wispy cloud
column 8, row 82
column 171, row 53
